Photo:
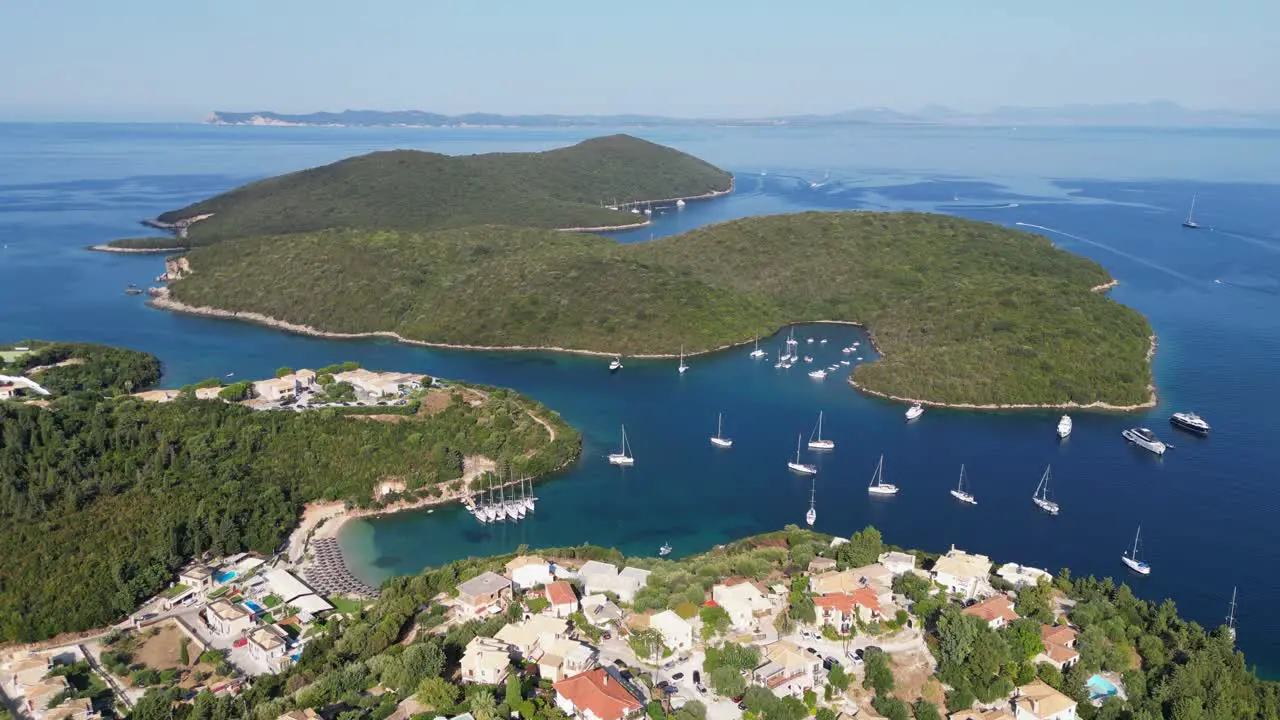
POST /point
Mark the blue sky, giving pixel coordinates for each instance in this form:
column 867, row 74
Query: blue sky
column 179, row 59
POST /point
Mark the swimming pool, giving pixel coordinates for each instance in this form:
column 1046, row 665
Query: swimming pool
column 225, row 576
column 255, row 607
column 1100, row 687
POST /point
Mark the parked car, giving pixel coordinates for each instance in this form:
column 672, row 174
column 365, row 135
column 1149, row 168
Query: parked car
column 811, row 651
column 619, row 663
column 240, row 643
column 697, row 678
column 678, row 677
column 606, row 635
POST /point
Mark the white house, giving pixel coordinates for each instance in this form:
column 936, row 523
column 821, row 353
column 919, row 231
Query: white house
column 1021, row 575
column 529, row 637
column 486, row 661
column 564, row 657
column 898, row 563
column 600, row 611
column 227, row 619
column 600, row 577
column 596, row 695
column 197, row 577
column 530, row 571
column 742, row 600
column 564, row 601
column 960, row 572
column 1038, row 701
column 677, row 634
column 268, row 645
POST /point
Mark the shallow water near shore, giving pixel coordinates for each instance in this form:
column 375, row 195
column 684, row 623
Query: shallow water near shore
column 1116, row 196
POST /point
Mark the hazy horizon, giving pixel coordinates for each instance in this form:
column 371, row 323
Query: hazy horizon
column 152, row 60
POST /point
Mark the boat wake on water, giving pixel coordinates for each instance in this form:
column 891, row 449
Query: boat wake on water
column 1263, row 243
column 1121, row 253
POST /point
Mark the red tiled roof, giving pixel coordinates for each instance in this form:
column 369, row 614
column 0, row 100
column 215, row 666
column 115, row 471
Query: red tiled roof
column 594, row 690
column 846, row 602
column 997, row 606
column 1056, row 635
column 561, row 593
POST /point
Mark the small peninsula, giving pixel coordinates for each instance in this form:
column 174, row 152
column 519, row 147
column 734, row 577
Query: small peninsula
column 107, row 489
column 592, row 185
column 963, row 312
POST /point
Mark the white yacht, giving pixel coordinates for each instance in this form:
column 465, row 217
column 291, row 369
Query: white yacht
column 1144, row 438
column 797, row 466
column 1041, row 495
column 809, row 340
column 823, row 341
column 720, row 440
column 812, row 516
column 1130, row 557
column 615, row 364
column 757, row 353
column 808, row 358
column 623, row 456
column 683, row 368
column 665, row 550
column 815, row 437
column 961, row 493
column 1064, row 426
column 847, row 350
column 818, row 374
column 914, row 411
column 878, row 486
column 680, row 203
column 1190, row 422
column 844, row 362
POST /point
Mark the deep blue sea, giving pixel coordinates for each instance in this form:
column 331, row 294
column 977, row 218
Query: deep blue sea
column 1208, row 508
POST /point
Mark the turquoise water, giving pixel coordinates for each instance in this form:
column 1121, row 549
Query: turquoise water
column 1116, row 196
column 1100, row 687
column 255, row 607
column 225, row 576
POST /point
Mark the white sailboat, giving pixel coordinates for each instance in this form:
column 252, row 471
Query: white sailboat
column 878, row 486
column 1064, row 426
column 1231, row 616
column 914, row 411
column 812, row 516
column 718, row 439
column 791, row 341
column 528, row 496
column 815, row 438
column 500, row 507
column 757, row 353
column 1041, row 495
column 1190, row 222
column 797, row 466
column 683, row 368
column 1130, row 557
column 960, row 493
column 623, row 456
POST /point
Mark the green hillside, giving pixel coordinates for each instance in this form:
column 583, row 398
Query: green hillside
column 414, row 190
column 963, row 311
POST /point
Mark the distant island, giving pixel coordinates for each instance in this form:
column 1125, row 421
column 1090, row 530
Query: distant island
column 602, row 183
column 963, row 312
column 1141, row 114
column 106, row 488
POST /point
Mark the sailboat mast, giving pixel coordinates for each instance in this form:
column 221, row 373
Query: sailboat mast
column 719, row 423
column 1135, row 542
column 1231, row 614
column 960, row 485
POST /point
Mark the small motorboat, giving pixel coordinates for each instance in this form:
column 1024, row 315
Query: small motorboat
column 915, row 411
column 665, row 550
column 615, row 364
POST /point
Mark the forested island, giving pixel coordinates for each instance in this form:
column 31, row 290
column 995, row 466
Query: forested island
column 409, row 190
column 927, row 653
column 103, row 495
column 962, row 311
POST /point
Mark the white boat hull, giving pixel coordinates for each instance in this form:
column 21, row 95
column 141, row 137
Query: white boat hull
column 811, row 517
column 914, row 412
column 1064, row 427
column 621, row 460
column 964, row 497
column 721, row 442
column 883, row 489
column 1136, row 565
column 822, row 445
column 1156, row 447
column 802, row 468
column 1046, row 505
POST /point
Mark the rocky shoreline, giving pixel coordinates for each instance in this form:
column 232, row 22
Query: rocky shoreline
column 135, row 251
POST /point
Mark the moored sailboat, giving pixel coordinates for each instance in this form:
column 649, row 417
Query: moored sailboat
column 1130, row 556
column 1231, row 616
column 815, row 438
column 960, row 493
column 1041, row 495
column 719, row 440
column 1190, row 222
column 683, row 368
column 623, row 456
column 812, row 516
column 757, row 353
column 797, row 466
column 878, row 486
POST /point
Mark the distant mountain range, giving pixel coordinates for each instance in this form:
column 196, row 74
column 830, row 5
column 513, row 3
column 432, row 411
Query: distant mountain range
column 1151, row 114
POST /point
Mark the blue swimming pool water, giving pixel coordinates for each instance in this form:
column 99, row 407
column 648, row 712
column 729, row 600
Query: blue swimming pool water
column 255, row 607
column 225, row 576
column 1100, row 687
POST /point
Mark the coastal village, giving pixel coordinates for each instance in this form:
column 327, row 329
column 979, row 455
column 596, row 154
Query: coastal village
column 576, row 630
